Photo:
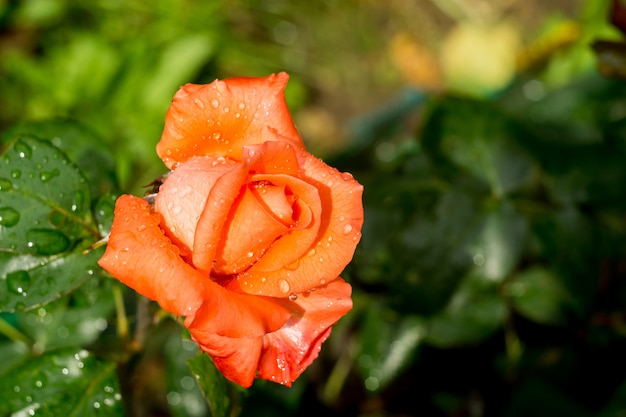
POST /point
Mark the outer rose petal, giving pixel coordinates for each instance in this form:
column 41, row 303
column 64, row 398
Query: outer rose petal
column 222, row 117
column 142, row 257
column 290, row 350
column 332, row 246
column 282, row 355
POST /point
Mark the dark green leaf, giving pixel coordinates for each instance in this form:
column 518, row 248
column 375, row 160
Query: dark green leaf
column 184, row 396
column 213, row 385
column 28, row 281
column 74, row 320
column 70, row 382
column 475, row 311
column 478, row 139
column 389, row 344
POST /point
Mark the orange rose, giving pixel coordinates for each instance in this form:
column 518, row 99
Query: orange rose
column 247, row 235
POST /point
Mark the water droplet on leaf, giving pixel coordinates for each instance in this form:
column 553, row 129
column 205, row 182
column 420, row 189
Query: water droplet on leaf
column 23, row 150
column 5, row 185
column 9, row 217
column 18, row 282
column 47, row 242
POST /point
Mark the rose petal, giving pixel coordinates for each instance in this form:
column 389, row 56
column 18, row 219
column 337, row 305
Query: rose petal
column 328, row 250
column 275, row 156
column 183, row 196
column 142, row 257
column 288, row 351
column 236, row 359
column 222, row 117
column 214, row 216
column 250, row 230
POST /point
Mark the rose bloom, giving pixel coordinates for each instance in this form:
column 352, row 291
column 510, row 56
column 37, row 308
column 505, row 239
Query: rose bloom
column 247, row 234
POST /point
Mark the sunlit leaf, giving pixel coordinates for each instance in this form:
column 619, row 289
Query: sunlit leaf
column 499, row 247
column 81, row 145
column 538, row 295
column 70, row 382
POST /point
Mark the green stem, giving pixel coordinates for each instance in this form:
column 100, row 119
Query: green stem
column 13, row 334
column 122, row 318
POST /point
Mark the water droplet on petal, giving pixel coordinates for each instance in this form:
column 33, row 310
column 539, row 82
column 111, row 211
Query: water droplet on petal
column 16, row 173
column 347, row 229
column 199, row 102
column 283, row 285
column 293, row 297
column 217, row 135
column 215, row 103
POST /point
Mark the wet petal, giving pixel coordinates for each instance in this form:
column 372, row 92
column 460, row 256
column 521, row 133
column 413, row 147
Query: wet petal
column 328, row 250
column 222, row 117
column 183, row 196
column 288, row 351
column 250, row 230
column 142, row 257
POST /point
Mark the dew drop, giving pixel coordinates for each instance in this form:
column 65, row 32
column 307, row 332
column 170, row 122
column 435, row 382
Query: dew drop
column 18, row 282
column 242, row 105
column 5, row 185
column 141, row 227
column 226, row 109
column 217, row 135
column 293, row 297
column 199, row 102
column 47, row 241
column 45, row 176
column 250, row 254
column 16, row 173
column 283, row 285
column 9, row 217
column 322, row 281
column 347, row 229
column 346, row 176
column 215, row 103
column 23, row 150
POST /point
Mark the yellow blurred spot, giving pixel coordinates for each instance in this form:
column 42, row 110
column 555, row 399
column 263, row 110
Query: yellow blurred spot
column 479, row 60
column 415, row 62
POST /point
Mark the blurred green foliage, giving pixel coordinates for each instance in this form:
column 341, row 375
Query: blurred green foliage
column 490, row 277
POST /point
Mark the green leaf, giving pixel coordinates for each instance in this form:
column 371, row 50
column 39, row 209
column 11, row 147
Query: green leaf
column 74, row 320
column 474, row 312
column 184, row 396
column 478, row 139
column 84, row 148
column 539, row 295
column 499, row 247
column 44, row 200
column 389, row 344
column 45, row 225
column 28, row 281
column 213, row 385
column 70, row 382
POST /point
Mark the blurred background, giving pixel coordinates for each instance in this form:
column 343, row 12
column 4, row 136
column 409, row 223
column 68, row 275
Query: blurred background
column 490, row 136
